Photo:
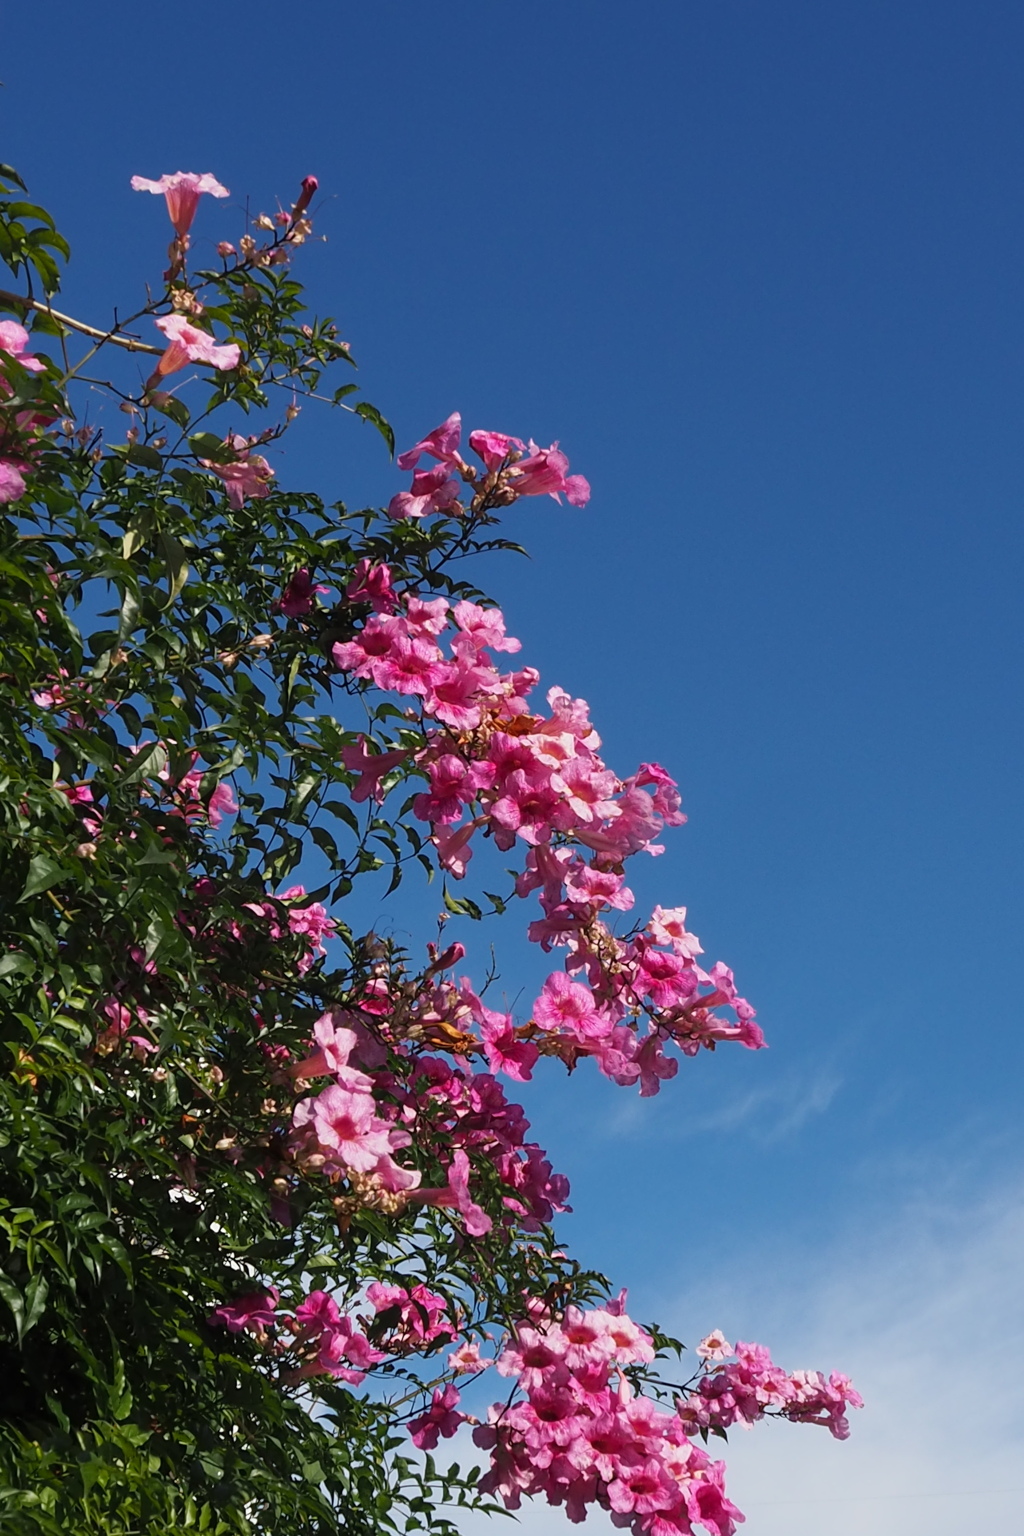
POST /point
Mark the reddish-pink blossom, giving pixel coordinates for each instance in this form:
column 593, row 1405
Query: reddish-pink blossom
column 297, row 597
column 544, row 473
column 12, row 481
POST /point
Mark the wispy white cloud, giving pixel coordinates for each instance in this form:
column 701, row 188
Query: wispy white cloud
column 766, row 1115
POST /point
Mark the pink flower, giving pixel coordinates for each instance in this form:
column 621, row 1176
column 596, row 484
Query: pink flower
column 254, row 1311
column 309, row 186
column 504, row 1052
column 297, row 597
column 432, row 490
column 441, row 444
column 453, row 850
column 715, row 1347
column 13, row 340
column 439, row 1419
column 453, row 784
column 456, row 1196
column 566, row 1005
column 457, row 693
column 494, row 447
column 543, row 473
column 182, row 191
column 249, row 475
column 345, row 1123
column 188, row 344
column 668, row 926
column 12, row 482
column 371, row 768
column 484, row 626
column 372, row 584
column 466, row 1359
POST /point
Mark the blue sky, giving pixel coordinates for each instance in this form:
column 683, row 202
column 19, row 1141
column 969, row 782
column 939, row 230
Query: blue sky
column 758, row 267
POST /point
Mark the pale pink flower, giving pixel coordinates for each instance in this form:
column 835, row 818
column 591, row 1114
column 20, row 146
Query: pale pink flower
column 249, row 475
column 485, row 626
column 715, row 1347
column 467, row 1359
column 668, row 926
column 182, row 190
column 188, row 344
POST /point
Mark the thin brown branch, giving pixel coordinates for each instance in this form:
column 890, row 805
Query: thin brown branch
column 128, row 342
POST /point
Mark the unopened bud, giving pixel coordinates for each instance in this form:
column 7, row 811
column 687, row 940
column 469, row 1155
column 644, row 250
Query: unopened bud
column 226, row 249
column 291, row 411
column 309, row 186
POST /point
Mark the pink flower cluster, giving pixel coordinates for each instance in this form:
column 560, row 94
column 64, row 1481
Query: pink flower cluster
column 415, row 1318
column 512, row 469
column 580, row 1436
column 327, row 1342
column 341, row 1130
column 743, row 1390
column 495, row 764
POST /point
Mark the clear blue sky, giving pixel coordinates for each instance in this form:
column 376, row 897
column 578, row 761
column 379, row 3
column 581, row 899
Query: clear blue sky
column 759, row 267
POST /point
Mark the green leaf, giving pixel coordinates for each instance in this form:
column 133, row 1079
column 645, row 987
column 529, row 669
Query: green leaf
column 176, row 562
column 43, row 871
column 370, row 413
column 147, row 762
column 146, row 457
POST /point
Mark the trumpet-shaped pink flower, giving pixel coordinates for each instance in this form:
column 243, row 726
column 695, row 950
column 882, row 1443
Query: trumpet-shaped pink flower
column 188, row 344
column 432, row 490
column 182, row 190
column 494, row 447
column 253, row 1311
column 456, row 1196
column 249, row 475
column 566, row 1005
column 439, row 1419
column 441, row 444
column 372, row 584
column 371, row 768
column 543, row 473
